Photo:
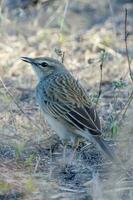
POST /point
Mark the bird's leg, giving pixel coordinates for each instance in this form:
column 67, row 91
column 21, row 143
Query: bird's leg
column 74, row 147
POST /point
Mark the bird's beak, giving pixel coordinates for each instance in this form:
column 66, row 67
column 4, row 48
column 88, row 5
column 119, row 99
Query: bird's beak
column 27, row 59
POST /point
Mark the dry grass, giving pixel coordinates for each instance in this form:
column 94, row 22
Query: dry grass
column 31, row 158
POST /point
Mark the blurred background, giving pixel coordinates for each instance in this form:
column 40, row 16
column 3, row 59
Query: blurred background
column 89, row 36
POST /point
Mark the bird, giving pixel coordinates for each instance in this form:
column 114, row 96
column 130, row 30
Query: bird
column 66, row 105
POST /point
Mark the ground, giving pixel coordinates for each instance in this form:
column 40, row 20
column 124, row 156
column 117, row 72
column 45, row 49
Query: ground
column 90, row 35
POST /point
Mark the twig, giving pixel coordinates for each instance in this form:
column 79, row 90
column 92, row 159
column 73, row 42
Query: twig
column 63, row 56
column 101, row 76
column 58, row 51
column 125, row 107
column 56, row 13
column 64, row 15
column 124, row 110
column 128, row 104
column 125, row 39
column 37, row 164
column 11, row 95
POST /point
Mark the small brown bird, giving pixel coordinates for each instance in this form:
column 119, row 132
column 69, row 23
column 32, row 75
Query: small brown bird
column 65, row 103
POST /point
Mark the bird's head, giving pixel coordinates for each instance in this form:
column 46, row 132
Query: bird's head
column 44, row 66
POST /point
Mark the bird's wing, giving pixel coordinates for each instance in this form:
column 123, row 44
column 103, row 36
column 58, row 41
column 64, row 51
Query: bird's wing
column 81, row 118
column 70, row 104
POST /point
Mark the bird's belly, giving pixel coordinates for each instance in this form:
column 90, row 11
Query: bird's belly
column 59, row 128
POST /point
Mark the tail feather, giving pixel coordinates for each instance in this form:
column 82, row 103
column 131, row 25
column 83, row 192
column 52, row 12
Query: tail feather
column 106, row 150
column 102, row 145
column 111, row 155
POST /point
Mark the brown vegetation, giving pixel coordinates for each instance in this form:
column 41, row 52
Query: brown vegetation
column 89, row 33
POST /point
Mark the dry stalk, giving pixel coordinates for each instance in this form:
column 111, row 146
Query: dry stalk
column 101, row 77
column 121, row 115
column 126, row 45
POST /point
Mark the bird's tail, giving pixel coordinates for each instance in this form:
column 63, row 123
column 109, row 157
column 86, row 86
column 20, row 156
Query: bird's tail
column 112, row 156
column 106, row 150
column 103, row 146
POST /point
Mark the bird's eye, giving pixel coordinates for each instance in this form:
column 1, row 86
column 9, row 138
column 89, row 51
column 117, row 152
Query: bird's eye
column 44, row 64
